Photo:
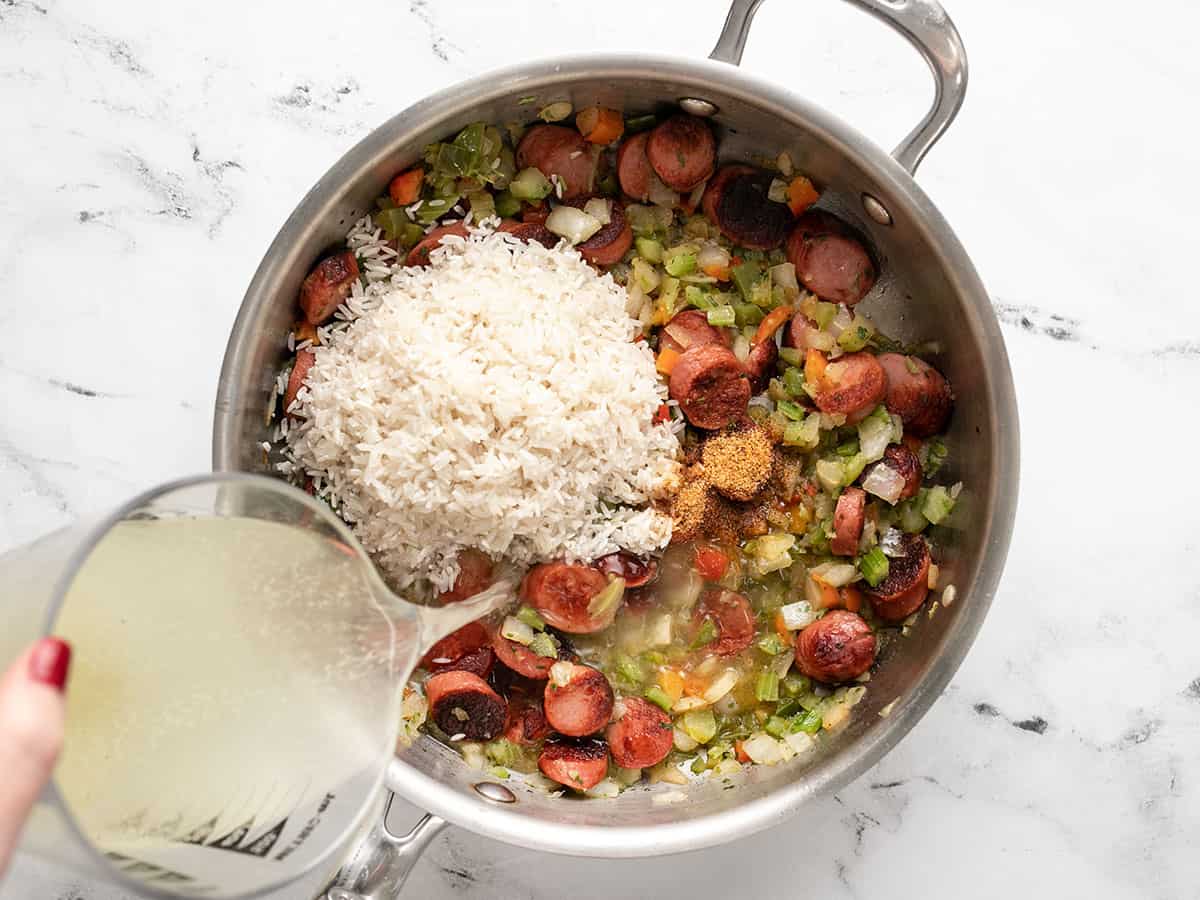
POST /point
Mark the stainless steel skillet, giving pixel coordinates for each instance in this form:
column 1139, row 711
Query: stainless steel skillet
column 928, row 290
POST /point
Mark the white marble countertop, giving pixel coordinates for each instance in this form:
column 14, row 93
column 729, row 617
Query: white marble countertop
column 150, row 152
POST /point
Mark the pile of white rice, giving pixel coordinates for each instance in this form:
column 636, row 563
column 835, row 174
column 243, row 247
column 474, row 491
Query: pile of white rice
column 493, row 399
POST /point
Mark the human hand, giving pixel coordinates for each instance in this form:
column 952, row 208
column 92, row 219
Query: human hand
column 32, row 718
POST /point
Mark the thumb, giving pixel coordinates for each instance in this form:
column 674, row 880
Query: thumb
column 32, row 717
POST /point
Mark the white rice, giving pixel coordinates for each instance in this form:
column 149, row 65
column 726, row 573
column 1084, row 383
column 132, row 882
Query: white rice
column 493, row 399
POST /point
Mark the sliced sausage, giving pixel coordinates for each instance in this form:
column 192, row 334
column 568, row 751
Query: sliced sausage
column 848, row 521
column 463, row 703
column 478, row 662
column 561, row 592
column 853, row 385
column 830, row 259
column 642, row 735
column 801, row 333
column 746, row 215
column 327, row 285
column 689, row 329
column 636, row 571
column 419, row 255
column 760, row 364
column 907, row 465
column 304, row 361
column 633, row 169
column 581, row 706
column 532, row 232
column 918, row 393
column 456, row 645
column 733, row 618
column 579, row 763
column 561, row 151
column 682, row 151
column 474, row 575
column 903, row 591
column 520, row 658
column 612, row 241
column 711, row 386
column 716, row 187
column 837, row 647
column 526, row 723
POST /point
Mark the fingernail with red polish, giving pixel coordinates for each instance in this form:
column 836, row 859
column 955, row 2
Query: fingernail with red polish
column 49, row 662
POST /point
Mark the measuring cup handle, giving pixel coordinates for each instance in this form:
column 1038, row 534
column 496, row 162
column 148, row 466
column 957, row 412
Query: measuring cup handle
column 925, row 25
column 383, row 860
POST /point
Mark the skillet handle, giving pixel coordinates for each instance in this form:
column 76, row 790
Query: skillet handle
column 383, row 860
column 925, row 25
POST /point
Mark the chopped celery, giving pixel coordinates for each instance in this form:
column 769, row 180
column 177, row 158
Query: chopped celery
column 696, row 297
column 857, row 336
column 705, row 636
column 909, row 517
column 699, row 724
column 650, row 249
column 668, row 294
column 830, row 474
column 605, row 603
column 776, row 726
column 766, row 688
column 809, row 723
column 793, row 381
column 483, row 205
column 658, row 697
column 506, row 204
column 654, row 657
column 796, row 684
column 936, row 453
column 745, row 276
column 852, row 467
column 629, row 669
column 645, row 275
column 502, row 752
column 771, row 644
column 824, row 313
column 874, row 566
column 530, row 184
column 698, row 765
column 937, row 504
column 634, row 124
column 608, row 185
column 805, row 435
column 777, row 392
column 793, row 411
column 543, row 644
column 392, row 221
column 747, row 313
column 791, row 356
column 847, row 448
column 529, row 616
column 721, row 316
column 681, row 264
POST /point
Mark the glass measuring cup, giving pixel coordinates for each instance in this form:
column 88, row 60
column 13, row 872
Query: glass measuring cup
column 235, row 689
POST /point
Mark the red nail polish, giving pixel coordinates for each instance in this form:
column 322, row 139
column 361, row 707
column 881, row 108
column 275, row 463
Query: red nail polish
column 49, row 662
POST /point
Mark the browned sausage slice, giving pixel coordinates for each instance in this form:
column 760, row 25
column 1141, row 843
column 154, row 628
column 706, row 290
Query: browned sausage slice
column 532, row 232
column 478, row 662
column 612, row 241
column 641, row 736
column 463, row 703
column 918, row 393
column 733, row 618
column 907, row 465
column 456, row 645
column 848, row 521
column 561, row 592
column 710, row 385
column 837, row 647
column 419, row 255
column 526, row 723
column 689, row 329
column 747, row 216
column 633, row 169
column 760, row 364
column 581, row 706
column 853, row 385
column 327, row 285
column 304, row 361
column 556, row 150
column 578, row 763
column 830, row 259
column 635, row 570
column 716, row 187
column 904, row 589
column 682, row 151
column 474, row 575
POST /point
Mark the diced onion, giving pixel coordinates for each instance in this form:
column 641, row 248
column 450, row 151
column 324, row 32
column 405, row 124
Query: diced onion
column 683, row 741
column 932, row 579
column 697, row 194
column 555, row 112
column 660, row 194
column 834, row 574
column 781, row 663
column 728, row 766
column 949, row 594
column 800, row 742
column 841, row 321
column 712, row 256
column 599, row 209
column 516, row 630
column 797, row 615
column 473, row 755
column 560, row 673
column 728, row 705
column 722, row 685
column 605, row 789
column 573, row 224
column 659, row 634
column 741, row 348
column 762, row 749
column 884, row 482
column 854, row 695
column 887, row 710
column 784, row 163
column 891, row 542
column 683, row 704
column 784, row 275
column 777, row 191
column 834, row 715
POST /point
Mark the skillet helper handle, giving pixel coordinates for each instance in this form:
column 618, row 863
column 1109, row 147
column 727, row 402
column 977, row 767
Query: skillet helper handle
column 383, row 860
column 925, row 25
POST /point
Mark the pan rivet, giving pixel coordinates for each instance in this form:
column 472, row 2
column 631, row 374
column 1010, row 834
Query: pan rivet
column 696, row 107
column 497, row 793
column 876, row 210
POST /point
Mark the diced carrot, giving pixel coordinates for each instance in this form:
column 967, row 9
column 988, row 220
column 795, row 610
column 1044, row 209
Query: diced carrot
column 667, row 357
column 740, row 750
column 661, row 414
column 801, row 195
column 406, row 187
column 814, row 366
column 782, row 630
column 820, row 595
column 711, row 563
column 694, row 685
column 771, row 323
column 600, row 125
column 851, row 598
column 799, row 517
column 736, row 261
column 671, row 682
column 721, row 273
